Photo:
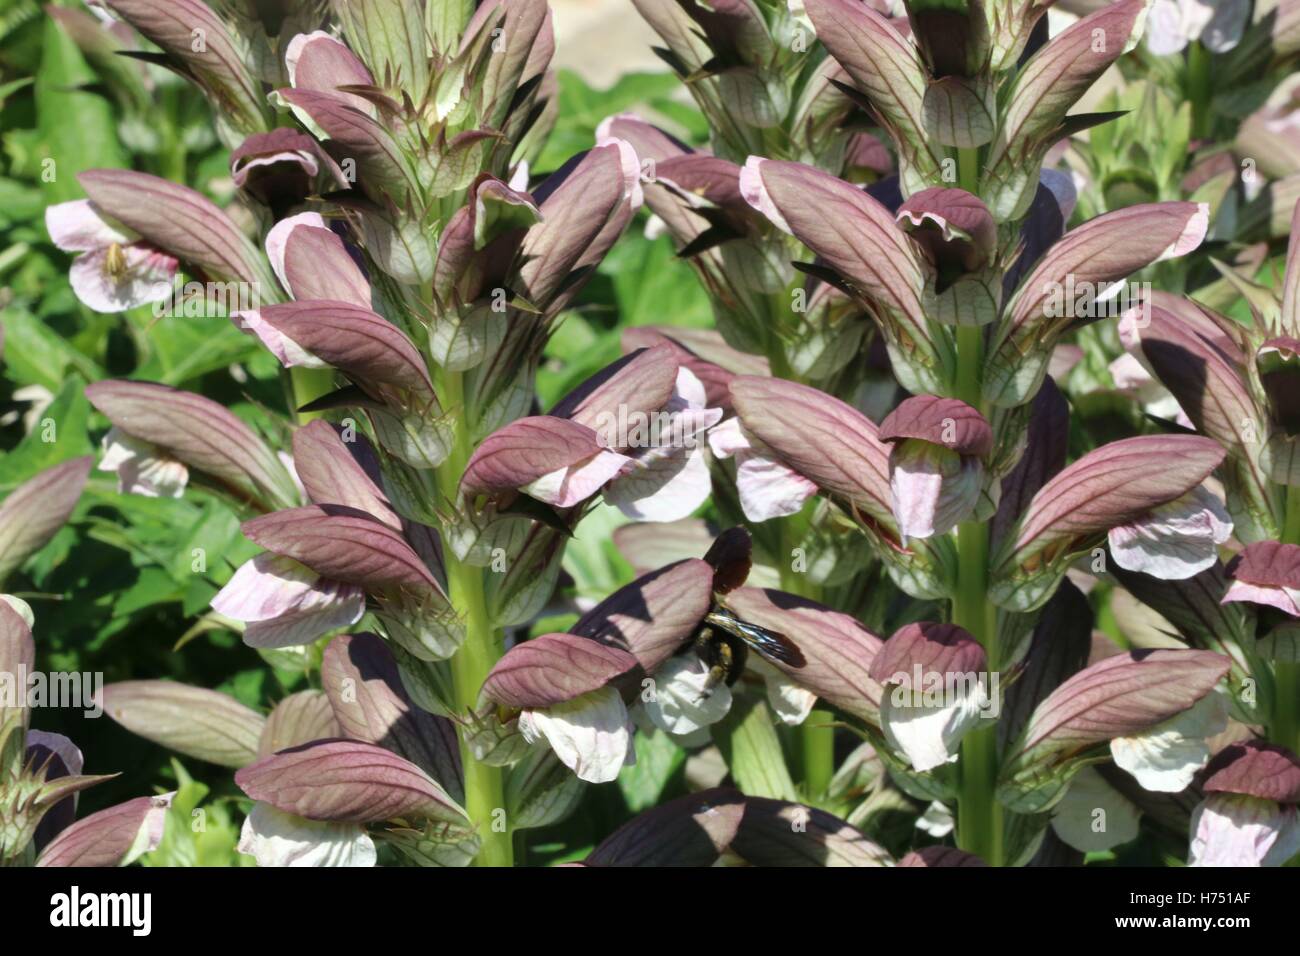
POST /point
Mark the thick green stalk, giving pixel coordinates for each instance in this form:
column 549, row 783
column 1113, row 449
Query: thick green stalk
column 484, row 785
column 1284, row 727
column 979, row 815
column 817, row 743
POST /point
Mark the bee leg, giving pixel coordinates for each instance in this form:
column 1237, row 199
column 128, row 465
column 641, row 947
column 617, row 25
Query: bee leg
column 706, row 649
column 720, row 668
column 717, row 674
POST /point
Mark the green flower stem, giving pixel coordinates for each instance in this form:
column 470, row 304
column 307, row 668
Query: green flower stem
column 483, row 646
column 817, row 742
column 1284, row 728
column 979, row 816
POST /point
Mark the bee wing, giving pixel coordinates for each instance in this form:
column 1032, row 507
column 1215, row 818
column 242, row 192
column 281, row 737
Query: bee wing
column 774, row 646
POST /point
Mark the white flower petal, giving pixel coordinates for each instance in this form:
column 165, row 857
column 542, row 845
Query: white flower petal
column 276, row 838
column 937, row 820
column 1166, row 33
column 1165, row 758
column 789, row 702
column 767, row 488
column 591, row 734
column 730, row 437
column 151, row 829
column 286, row 459
column 680, row 704
column 147, row 278
column 1093, row 816
column 1176, row 540
column 519, row 178
column 688, row 391
column 141, row 467
column 22, row 607
column 754, row 191
column 662, row 487
column 927, row 734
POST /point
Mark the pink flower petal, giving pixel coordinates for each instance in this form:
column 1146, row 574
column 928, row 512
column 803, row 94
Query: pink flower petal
column 278, row 238
column 767, row 488
column 754, row 191
column 76, row 227
column 147, row 277
column 1238, row 830
column 567, row 487
column 1278, row 597
column 285, row 603
column 933, row 488
column 289, row 352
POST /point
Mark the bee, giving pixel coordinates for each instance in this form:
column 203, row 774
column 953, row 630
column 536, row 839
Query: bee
column 115, row 263
column 723, row 641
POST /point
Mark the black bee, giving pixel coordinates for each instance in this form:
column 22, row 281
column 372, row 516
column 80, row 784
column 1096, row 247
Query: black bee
column 723, row 642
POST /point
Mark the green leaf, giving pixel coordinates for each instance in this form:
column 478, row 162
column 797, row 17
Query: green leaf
column 581, row 108
column 153, row 586
column 186, row 347
column 60, row 434
column 657, row 758
column 77, row 128
column 752, row 750
column 36, row 355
